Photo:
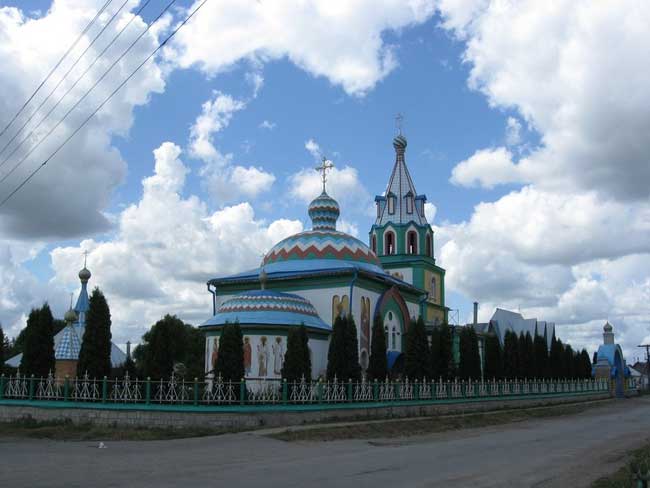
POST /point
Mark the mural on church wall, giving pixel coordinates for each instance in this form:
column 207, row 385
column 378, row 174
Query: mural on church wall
column 278, row 355
column 262, row 357
column 340, row 306
column 215, row 353
column 248, row 355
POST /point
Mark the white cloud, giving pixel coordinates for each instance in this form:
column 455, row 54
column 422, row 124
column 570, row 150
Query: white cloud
column 265, row 124
column 430, row 211
column 513, row 131
column 487, row 168
column 571, row 69
column 341, row 41
column 314, row 149
column 165, row 248
column 68, row 196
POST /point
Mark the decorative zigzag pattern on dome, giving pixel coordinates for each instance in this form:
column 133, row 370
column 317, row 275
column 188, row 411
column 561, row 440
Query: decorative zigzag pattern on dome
column 268, row 303
column 321, row 245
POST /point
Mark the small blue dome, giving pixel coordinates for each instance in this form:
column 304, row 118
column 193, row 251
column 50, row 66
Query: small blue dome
column 267, row 307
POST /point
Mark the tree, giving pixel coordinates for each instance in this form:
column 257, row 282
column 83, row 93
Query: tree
column 526, row 356
column 441, row 352
column 297, row 364
column 569, row 362
column 3, row 346
column 167, row 343
column 417, row 354
column 541, row 356
column 336, row 359
column 556, row 358
column 493, row 359
column 378, row 363
column 511, row 355
column 352, row 350
column 470, row 361
column 38, row 352
column 230, row 362
column 585, row 365
column 95, row 353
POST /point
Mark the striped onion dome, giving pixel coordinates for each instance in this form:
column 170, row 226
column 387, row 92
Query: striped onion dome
column 324, row 212
column 267, row 307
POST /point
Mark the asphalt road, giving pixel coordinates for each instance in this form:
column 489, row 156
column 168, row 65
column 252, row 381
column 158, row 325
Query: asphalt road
column 563, row 451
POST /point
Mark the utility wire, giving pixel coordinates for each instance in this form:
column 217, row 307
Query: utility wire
column 153, row 53
column 57, row 86
column 56, row 66
column 99, row 80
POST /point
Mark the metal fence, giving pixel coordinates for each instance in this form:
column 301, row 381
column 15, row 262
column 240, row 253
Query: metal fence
column 178, row 391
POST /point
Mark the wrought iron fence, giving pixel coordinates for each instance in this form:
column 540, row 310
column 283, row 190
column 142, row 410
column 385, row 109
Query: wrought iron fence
column 178, row 391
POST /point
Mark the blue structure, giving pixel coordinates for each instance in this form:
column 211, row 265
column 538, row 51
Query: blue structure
column 610, row 363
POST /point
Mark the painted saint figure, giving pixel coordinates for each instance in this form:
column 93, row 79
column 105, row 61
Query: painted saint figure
column 247, row 355
column 278, row 356
column 215, row 352
column 262, row 357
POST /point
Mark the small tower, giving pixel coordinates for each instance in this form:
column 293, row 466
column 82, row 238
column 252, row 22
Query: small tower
column 403, row 239
column 82, row 302
column 66, row 352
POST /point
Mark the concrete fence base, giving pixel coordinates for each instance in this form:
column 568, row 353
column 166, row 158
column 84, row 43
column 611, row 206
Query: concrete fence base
column 251, row 417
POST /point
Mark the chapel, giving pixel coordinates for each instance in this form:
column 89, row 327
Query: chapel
column 315, row 276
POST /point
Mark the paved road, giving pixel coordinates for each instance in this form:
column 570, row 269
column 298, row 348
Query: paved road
column 564, row 451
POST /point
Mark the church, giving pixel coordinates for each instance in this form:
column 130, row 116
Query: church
column 315, row 276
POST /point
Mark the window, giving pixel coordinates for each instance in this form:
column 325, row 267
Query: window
column 394, row 338
column 378, row 210
column 389, row 247
column 433, row 289
column 391, row 204
column 428, row 246
column 412, row 242
column 409, row 204
column 374, row 243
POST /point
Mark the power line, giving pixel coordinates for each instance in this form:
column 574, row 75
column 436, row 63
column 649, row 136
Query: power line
column 153, row 53
column 56, row 66
column 83, row 97
column 44, row 101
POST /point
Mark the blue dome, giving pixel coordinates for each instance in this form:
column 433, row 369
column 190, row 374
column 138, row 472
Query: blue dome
column 267, row 307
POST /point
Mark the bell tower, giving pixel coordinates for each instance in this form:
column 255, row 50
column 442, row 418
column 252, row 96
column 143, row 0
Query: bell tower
column 403, row 239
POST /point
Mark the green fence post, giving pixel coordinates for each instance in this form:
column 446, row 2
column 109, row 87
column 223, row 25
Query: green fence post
column 375, row 391
column 31, row 387
column 320, row 390
column 285, row 391
column 66, row 388
column 350, row 398
column 396, row 390
column 242, row 391
column 2, row 386
column 104, row 389
column 416, row 390
column 147, row 390
column 196, row 391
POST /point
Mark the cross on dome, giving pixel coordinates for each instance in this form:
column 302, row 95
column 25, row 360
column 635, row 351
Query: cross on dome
column 399, row 118
column 325, row 166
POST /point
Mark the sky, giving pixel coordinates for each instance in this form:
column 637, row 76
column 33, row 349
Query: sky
column 526, row 122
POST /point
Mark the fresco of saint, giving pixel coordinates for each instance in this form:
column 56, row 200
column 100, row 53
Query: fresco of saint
column 262, row 357
column 215, row 352
column 247, row 355
column 278, row 355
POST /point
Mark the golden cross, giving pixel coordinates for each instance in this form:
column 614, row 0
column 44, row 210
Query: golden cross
column 325, row 166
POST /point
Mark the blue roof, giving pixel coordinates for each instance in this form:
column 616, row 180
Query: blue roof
column 267, row 307
column 69, row 344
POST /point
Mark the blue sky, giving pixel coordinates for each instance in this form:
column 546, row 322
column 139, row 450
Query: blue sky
column 516, row 142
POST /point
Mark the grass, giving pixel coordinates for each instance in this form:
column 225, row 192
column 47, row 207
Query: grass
column 624, row 477
column 67, row 431
column 427, row 425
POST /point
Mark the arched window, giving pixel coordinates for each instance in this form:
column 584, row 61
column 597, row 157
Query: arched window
column 433, row 289
column 391, row 204
column 389, row 246
column 428, row 245
column 409, row 203
column 412, row 242
column 374, row 243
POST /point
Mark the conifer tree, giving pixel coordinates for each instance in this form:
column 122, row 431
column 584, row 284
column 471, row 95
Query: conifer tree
column 352, row 350
column 556, row 359
column 336, row 354
column 38, row 352
column 470, row 360
column 493, row 359
column 95, row 353
column 378, row 362
column 297, row 363
column 417, row 355
column 541, row 356
column 511, row 368
column 569, row 362
column 528, row 357
column 441, row 352
column 2, row 350
column 230, row 362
